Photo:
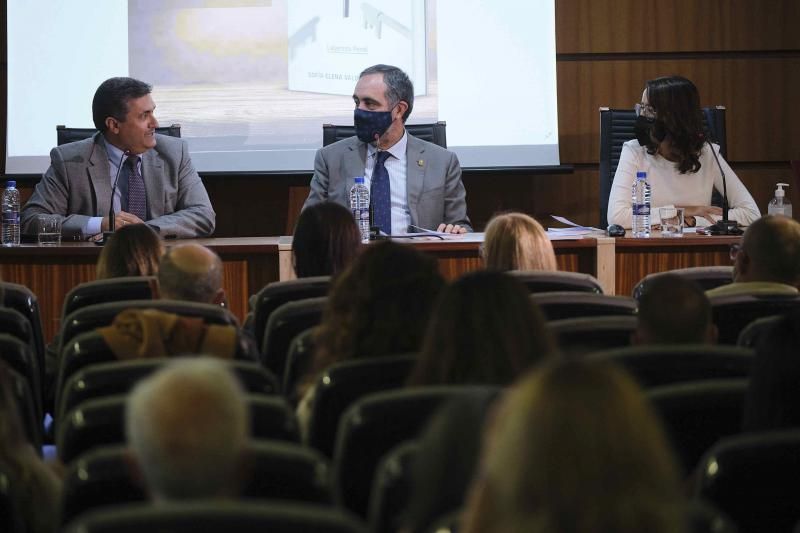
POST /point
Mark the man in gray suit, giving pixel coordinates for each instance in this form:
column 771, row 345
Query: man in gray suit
column 157, row 182
column 414, row 183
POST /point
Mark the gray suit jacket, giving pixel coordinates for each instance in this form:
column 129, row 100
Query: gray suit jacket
column 78, row 186
column 434, row 189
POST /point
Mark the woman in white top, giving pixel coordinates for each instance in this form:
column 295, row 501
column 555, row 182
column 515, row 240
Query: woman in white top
column 671, row 147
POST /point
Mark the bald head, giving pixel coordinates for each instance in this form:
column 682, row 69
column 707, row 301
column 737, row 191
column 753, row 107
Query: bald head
column 188, row 426
column 770, row 251
column 192, row 273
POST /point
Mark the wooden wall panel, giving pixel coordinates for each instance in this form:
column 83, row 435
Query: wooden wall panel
column 617, row 26
column 757, row 92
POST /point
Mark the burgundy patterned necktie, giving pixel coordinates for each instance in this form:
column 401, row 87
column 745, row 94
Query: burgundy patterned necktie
column 137, row 199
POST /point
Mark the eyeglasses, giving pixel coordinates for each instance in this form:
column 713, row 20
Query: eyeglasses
column 734, row 251
column 644, row 110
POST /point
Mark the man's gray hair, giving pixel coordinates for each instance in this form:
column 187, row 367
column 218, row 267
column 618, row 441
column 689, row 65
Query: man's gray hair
column 398, row 85
column 188, row 426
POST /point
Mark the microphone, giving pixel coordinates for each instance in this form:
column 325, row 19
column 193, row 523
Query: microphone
column 111, row 215
column 723, row 226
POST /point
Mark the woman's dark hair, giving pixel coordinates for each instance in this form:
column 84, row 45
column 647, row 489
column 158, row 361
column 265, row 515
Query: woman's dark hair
column 133, row 250
column 379, row 306
column 484, row 329
column 773, row 396
column 678, row 118
column 326, row 239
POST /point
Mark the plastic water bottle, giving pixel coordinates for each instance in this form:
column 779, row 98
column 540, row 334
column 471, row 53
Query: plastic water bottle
column 780, row 205
column 640, row 224
column 359, row 205
column 10, row 214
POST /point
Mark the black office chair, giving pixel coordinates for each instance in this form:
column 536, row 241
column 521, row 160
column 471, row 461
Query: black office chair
column 756, row 330
column 19, row 358
column 586, row 334
column 546, row 281
column 299, row 360
column 435, row 133
column 392, row 488
column 22, row 300
column 731, row 314
column 616, row 128
column 561, row 304
column 285, row 323
column 66, row 135
column 10, row 515
column 215, row 516
column 119, row 377
column 752, row 478
column 275, row 294
column 374, row 425
column 698, row 414
column 108, row 290
column 26, row 408
column 708, row 277
column 659, row 365
column 344, row 383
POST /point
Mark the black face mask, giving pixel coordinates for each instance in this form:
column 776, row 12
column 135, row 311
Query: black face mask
column 642, row 128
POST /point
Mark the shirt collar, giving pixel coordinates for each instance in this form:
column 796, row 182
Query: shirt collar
column 114, row 153
column 398, row 149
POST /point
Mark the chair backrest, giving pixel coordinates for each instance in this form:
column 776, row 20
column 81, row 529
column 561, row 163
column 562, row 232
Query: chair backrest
column 275, row 294
column 19, row 358
column 616, row 128
column 344, row 383
column 392, row 488
column 119, row 377
column 697, row 414
column 21, row 299
column 655, row 366
column 374, row 425
column 731, row 314
column 545, row 281
column 275, row 470
column 435, row 133
column 708, row 277
column 26, row 408
column 285, row 323
column 756, row 330
column 750, row 478
column 585, row 334
column 66, row 135
column 11, row 519
column 561, row 304
column 96, row 316
column 101, row 422
column 108, row 290
column 215, row 516
column 299, row 360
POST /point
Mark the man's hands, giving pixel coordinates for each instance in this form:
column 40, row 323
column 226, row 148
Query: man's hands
column 121, row 218
column 450, row 228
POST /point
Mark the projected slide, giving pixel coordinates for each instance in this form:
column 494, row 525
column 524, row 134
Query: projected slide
column 252, row 81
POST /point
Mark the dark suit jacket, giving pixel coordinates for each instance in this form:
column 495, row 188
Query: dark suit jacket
column 78, row 186
column 434, row 189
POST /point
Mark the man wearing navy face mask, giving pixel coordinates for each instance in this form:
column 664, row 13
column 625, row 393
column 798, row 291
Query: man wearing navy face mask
column 413, row 183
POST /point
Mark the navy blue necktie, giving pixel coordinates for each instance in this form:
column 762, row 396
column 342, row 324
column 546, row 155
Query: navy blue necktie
column 137, row 199
column 381, row 195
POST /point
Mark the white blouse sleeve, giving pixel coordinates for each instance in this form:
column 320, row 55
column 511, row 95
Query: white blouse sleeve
column 743, row 208
column 619, row 200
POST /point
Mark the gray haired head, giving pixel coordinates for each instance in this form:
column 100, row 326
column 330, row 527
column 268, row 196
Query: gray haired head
column 398, row 85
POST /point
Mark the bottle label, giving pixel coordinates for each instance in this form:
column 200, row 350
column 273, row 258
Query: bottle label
column 641, row 209
column 10, row 217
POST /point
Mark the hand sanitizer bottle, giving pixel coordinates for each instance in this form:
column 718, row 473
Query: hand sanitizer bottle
column 780, row 205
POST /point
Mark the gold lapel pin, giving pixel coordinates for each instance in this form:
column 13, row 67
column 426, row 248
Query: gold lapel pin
column 420, row 162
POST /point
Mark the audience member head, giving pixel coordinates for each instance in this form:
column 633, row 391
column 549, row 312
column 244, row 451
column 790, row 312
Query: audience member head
column 672, row 113
column 484, row 328
column 379, row 306
column 576, row 447
column 773, row 395
column 515, row 241
column 187, row 426
column 326, row 239
column 191, row 273
column 133, row 250
column 770, row 251
column 674, row 310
